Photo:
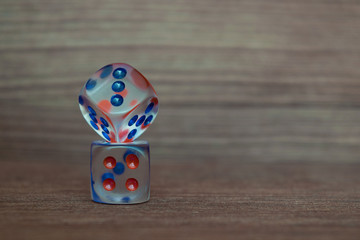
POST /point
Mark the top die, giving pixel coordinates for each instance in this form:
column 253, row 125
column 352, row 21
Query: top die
column 118, row 102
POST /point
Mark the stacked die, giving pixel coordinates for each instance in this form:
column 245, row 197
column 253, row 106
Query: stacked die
column 119, row 103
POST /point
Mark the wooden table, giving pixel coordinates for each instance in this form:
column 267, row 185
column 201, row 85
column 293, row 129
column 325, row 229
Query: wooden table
column 257, row 136
column 191, row 200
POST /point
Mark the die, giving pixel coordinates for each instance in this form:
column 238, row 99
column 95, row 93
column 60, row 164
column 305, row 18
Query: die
column 118, row 102
column 120, row 172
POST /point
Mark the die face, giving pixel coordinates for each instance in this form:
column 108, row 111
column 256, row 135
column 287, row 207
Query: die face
column 138, row 120
column 97, row 120
column 116, row 91
column 120, row 173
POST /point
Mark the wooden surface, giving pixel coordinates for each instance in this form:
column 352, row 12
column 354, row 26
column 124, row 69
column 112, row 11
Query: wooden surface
column 224, row 200
column 258, row 131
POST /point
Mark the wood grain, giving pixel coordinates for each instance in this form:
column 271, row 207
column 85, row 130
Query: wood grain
column 258, row 131
column 228, row 200
column 264, row 79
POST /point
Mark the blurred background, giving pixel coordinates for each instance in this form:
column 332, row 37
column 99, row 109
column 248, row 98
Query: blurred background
column 252, row 80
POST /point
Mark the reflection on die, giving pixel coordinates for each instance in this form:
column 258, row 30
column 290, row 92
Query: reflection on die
column 120, row 172
column 118, row 102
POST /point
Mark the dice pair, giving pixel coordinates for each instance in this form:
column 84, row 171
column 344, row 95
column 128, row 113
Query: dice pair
column 119, row 103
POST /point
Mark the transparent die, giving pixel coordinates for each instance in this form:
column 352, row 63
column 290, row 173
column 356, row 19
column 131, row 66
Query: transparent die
column 120, row 172
column 118, row 102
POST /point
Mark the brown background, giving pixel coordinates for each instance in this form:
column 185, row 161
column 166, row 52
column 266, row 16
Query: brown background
column 258, row 131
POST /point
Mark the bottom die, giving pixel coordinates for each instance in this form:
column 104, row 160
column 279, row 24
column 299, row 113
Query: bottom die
column 120, row 172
